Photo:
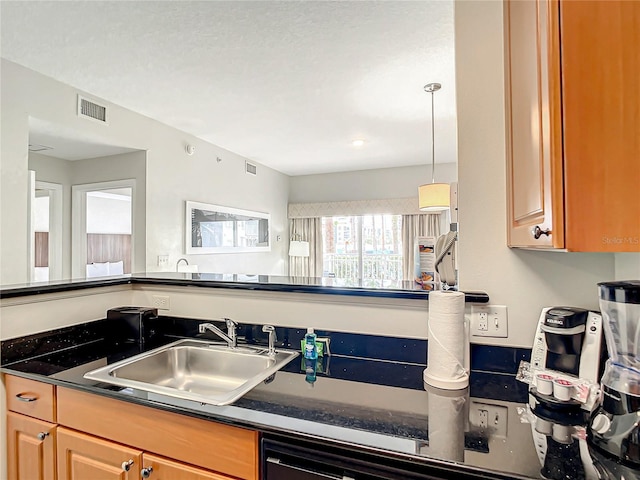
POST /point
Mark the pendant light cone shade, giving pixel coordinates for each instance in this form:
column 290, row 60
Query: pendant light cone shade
column 433, row 197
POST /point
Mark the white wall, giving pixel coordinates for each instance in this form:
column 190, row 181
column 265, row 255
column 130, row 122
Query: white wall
column 41, row 214
column 172, row 176
column 380, row 183
column 525, row 281
column 627, row 266
column 108, row 215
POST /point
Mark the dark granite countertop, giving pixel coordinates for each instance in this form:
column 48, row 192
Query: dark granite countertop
column 313, row 285
column 373, row 406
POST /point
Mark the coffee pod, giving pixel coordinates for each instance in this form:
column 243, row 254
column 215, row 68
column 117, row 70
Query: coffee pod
column 544, row 384
column 562, row 389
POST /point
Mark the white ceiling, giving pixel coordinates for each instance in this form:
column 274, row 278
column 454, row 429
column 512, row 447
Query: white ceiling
column 288, row 84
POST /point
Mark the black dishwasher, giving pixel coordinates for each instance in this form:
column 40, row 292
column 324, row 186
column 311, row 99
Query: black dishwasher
column 285, row 458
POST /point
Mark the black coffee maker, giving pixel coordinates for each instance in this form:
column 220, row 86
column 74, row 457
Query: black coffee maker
column 566, row 358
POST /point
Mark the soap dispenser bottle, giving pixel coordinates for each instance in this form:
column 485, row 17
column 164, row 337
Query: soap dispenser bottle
column 310, row 351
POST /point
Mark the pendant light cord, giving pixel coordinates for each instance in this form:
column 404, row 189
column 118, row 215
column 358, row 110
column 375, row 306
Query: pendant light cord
column 433, row 145
column 432, row 88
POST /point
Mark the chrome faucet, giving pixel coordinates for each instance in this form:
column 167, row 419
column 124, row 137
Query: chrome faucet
column 230, row 337
column 181, row 260
column 272, row 338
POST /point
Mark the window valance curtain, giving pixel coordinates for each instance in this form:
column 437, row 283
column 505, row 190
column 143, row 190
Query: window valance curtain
column 393, row 206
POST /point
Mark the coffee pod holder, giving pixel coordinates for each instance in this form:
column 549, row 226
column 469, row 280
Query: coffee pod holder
column 557, row 389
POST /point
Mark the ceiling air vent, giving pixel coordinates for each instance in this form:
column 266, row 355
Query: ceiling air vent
column 34, row 147
column 92, row 110
column 251, row 168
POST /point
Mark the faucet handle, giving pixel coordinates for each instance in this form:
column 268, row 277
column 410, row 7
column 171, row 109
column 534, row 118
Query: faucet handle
column 269, row 328
column 272, row 338
column 231, row 323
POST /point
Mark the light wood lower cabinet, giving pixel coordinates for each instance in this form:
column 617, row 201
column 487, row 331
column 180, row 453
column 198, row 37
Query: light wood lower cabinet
column 84, row 457
column 213, row 446
column 31, row 448
column 162, row 469
column 99, row 438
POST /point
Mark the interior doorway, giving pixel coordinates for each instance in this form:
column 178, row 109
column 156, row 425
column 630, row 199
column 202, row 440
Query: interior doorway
column 45, row 242
column 103, row 227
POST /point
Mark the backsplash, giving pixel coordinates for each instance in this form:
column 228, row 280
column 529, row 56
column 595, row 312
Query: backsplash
column 484, row 358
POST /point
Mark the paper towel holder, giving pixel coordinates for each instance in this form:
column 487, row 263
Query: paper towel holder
column 461, row 381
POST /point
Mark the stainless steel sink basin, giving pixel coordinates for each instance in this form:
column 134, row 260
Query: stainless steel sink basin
column 196, row 370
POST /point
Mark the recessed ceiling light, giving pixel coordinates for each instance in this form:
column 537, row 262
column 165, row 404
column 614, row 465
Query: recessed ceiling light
column 357, row 143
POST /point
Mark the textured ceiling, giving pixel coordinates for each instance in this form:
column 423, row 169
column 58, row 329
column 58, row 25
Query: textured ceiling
column 287, row 84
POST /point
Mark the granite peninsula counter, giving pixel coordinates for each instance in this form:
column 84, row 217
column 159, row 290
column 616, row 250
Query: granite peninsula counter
column 267, row 283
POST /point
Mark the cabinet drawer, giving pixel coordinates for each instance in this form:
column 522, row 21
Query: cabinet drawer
column 221, row 448
column 31, row 398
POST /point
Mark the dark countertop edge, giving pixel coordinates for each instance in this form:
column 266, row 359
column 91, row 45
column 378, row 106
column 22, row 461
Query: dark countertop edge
column 473, row 297
column 450, row 467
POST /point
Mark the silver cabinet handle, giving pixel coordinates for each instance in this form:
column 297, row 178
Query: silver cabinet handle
column 146, row 472
column 23, row 398
column 537, row 232
column 126, row 466
column 42, row 435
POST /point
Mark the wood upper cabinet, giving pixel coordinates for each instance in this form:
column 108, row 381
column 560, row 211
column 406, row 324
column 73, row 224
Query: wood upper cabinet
column 83, row 457
column 31, row 448
column 573, row 124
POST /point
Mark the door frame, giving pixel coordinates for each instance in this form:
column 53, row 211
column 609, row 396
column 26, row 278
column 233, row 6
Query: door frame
column 55, row 227
column 79, row 221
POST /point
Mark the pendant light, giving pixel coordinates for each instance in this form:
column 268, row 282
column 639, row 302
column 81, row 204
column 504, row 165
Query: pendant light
column 433, row 197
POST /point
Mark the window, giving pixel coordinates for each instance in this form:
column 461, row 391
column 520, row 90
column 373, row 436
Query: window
column 367, row 247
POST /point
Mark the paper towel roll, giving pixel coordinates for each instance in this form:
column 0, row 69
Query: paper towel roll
column 448, row 343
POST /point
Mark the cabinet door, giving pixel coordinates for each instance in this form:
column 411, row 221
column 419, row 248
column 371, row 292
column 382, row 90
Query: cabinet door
column 601, row 110
column 82, row 457
column 534, row 128
column 159, row 468
column 31, row 447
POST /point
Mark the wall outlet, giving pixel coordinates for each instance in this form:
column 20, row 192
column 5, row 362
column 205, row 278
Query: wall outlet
column 483, row 321
column 489, row 321
column 163, row 260
column 161, row 302
column 490, row 417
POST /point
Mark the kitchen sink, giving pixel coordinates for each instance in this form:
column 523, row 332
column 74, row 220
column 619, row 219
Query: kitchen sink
column 196, row 370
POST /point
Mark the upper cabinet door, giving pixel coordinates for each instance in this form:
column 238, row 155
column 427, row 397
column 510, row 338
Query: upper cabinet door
column 601, row 110
column 573, row 124
column 532, row 141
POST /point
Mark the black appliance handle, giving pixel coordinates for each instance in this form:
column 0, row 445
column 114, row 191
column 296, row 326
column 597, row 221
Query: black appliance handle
column 315, row 473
